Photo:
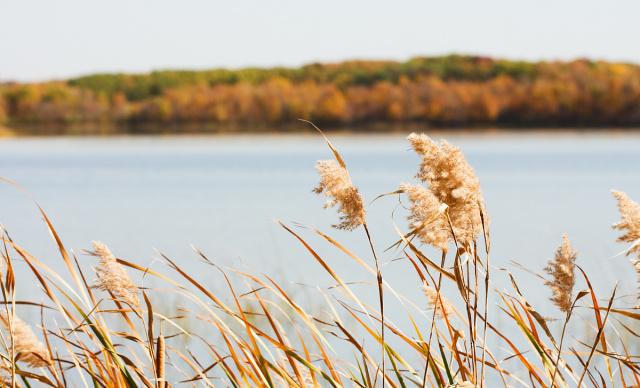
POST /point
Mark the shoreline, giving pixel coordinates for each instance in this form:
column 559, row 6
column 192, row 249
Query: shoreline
column 300, row 129
column 9, row 134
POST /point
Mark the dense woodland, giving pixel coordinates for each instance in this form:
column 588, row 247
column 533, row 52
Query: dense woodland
column 438, row 91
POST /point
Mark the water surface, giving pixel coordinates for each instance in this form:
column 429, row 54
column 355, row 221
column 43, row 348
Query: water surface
column 222, row 194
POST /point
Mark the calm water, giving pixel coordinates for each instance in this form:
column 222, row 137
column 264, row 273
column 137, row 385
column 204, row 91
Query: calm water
column 223, row 195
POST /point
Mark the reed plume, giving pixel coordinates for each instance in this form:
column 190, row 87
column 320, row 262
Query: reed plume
column 336, row 184
column 112, row 277
column 561, row 269
column 452, row 180
column 437, row 301
column 27, row 347
column 427, row 216
column 630, row 225
column 629, row 221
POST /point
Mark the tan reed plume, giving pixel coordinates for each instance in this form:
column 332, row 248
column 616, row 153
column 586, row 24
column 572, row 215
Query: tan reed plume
column 112, row 276
column 629, row 221
column 427, row 216
column 336, row 184
column 630, row 225
column 452, row 180
column 442, row 306
column 27, row 347
column 561, row 269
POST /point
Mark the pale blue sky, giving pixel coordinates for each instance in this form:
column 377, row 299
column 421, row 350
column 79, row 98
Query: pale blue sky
column 60, row 38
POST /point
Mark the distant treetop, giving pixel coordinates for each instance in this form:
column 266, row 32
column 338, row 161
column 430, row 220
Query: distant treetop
column 451, row 90
column 342, row 74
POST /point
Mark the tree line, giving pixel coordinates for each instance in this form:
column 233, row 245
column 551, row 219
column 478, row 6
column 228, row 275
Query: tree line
column 441, row 91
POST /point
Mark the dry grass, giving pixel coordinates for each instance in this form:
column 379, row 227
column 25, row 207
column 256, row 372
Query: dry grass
column 113, row 332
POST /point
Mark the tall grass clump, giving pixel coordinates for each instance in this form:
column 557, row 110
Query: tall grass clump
column 105, row 321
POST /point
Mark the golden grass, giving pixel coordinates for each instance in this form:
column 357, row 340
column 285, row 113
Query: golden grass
column 256, row 333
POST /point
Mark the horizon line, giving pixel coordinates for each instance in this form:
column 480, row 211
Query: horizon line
column 335, row 61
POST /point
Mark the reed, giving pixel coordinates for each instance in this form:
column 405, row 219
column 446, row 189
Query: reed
column 251, row 330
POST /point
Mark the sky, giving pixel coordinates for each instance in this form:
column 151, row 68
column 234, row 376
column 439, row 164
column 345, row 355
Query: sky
column 54, row 39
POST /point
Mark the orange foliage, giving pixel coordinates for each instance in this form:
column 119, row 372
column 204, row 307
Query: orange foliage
column 467, row 92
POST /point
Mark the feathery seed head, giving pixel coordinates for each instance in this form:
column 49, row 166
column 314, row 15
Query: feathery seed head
column 112, row 276
column 336, row 184
column 441, row 305
column 452, row 180
column 630, row 225
column 629, row 221
column 561, row 269
column 427, row 216
column 27, row 347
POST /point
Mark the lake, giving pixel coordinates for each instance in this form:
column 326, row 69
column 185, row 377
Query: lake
column 223, row 195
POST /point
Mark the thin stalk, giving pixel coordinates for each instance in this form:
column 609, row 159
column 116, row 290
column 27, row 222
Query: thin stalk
column 598, row 336
column 564, row 328
column 433, row 320
column 487, row 249
column 475, row 307
column 380, row 297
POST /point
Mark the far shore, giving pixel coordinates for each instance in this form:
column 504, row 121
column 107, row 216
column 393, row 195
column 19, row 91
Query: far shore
column 196, row 129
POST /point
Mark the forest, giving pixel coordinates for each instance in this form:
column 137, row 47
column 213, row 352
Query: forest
column 446, row 91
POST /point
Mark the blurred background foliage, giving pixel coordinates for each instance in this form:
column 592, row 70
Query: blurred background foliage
column 450, row 90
